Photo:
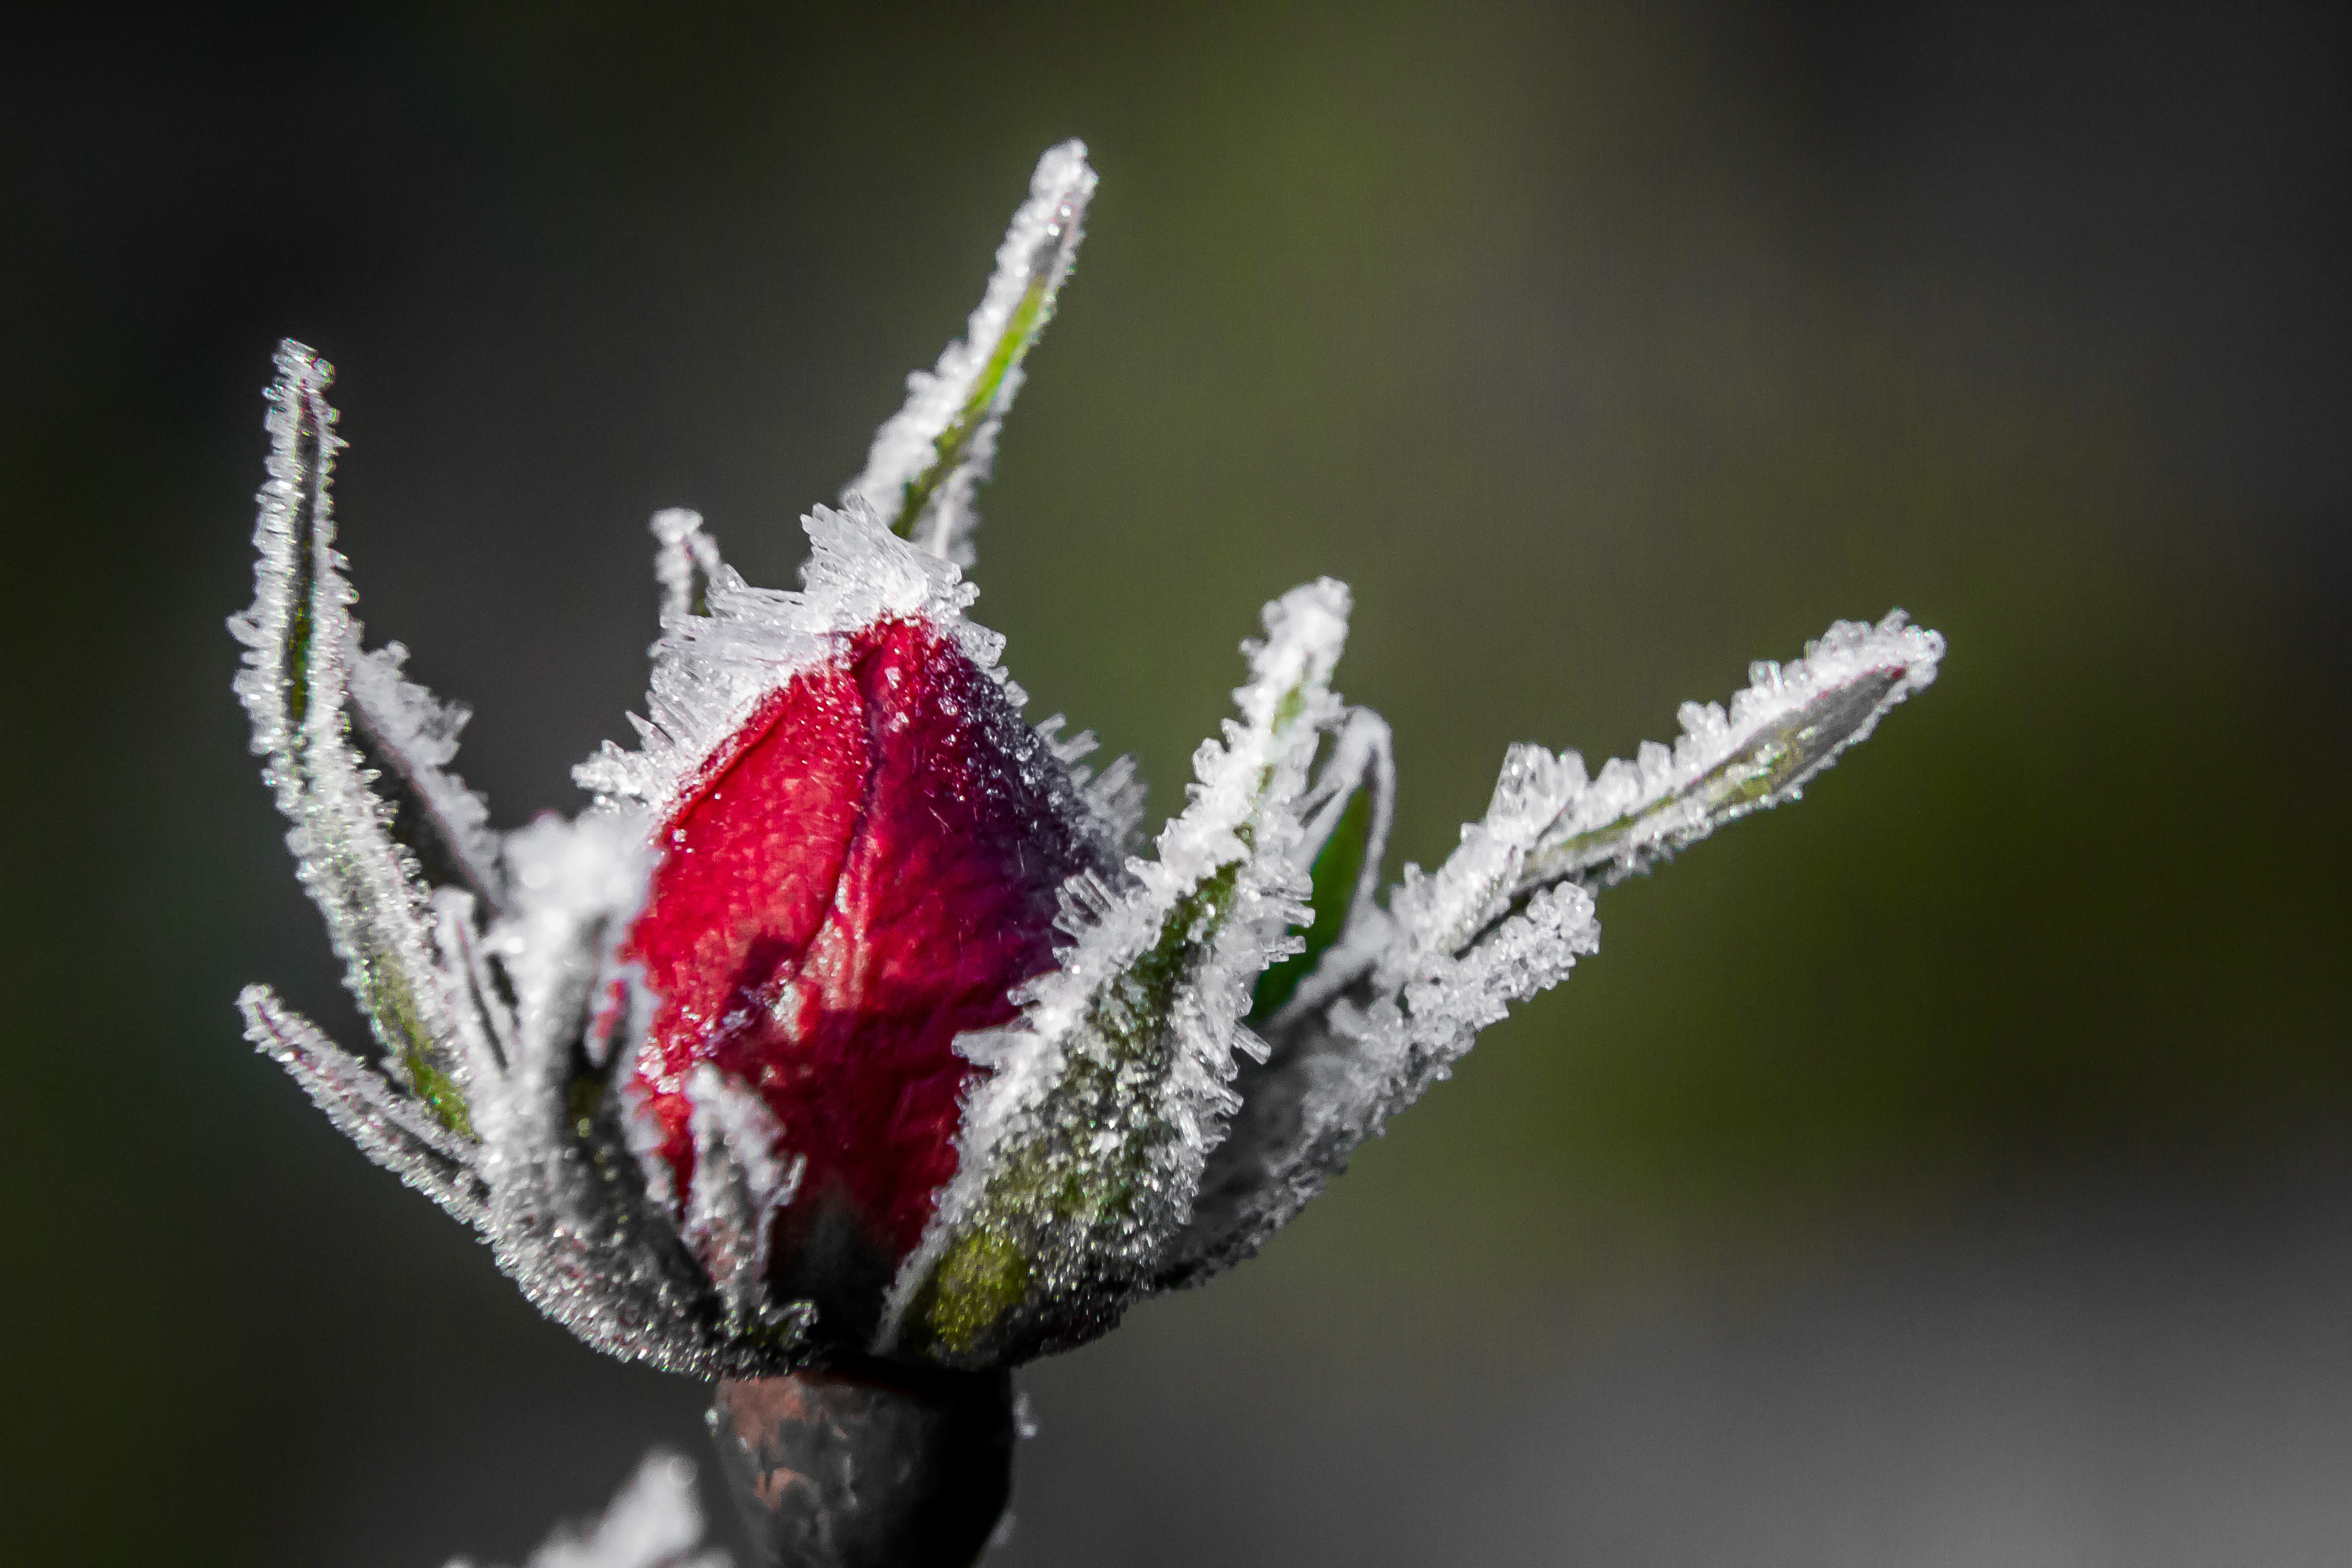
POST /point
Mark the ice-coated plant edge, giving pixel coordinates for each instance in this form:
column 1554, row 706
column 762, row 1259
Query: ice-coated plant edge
column 845, row 1023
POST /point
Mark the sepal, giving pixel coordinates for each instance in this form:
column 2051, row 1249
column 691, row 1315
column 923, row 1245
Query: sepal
column 743, row 1175
column 1350, row 808
column 1081, row 1155
column 390, row 1126
column 303, row 680
column 928, row 458
column 1508, row 913
column 1792, row 722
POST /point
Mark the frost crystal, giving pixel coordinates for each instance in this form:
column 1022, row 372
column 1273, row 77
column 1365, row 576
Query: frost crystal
column 653, row 1523
column 843, row 1024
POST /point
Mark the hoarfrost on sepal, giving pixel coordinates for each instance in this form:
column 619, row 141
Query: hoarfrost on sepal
column 1080, row 1156
column 1405, row 992
column 1790, row 723
column 577, row 885
column 1424, row 981
column 655, row 1521
column 928, row 458
column 410, row 736
column 390, row 1127
column 495, row 1096
column 741, row 1177
column 302, row 655
column 1349, row 810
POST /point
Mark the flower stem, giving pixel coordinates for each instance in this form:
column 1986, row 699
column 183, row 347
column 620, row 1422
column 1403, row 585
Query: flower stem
column 863, row 1464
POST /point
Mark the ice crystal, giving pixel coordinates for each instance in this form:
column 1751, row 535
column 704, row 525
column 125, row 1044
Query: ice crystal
column 843, row 1022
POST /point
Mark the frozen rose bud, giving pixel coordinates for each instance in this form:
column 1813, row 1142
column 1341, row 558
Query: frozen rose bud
column 864, row 872
column 842, row 1030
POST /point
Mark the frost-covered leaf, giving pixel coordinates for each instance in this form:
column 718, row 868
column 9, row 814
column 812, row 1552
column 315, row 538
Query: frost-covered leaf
column 301, row 665
column 390, row 1126
column 1508, row 913
column 655, row 1521
column 1080, row 1156
column 1791, row 722
column 928, row 458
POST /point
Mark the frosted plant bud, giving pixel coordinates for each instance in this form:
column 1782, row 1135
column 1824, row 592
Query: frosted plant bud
column 841, row 1037
column 862, row 868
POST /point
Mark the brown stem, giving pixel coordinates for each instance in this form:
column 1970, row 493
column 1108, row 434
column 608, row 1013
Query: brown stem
column 868, row 1465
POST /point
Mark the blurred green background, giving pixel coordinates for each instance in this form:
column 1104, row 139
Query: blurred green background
column 1951, row 1169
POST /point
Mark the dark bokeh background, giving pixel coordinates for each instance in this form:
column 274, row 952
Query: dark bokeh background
column 1957, row 1169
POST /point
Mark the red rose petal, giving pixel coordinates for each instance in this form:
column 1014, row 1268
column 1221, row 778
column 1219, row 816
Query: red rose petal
column 858, row 879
